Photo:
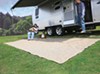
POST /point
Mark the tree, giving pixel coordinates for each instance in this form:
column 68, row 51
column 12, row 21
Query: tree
column 29, row 19
column 6, row 23
column 23, row 25
column 12, row 25
column 1, row 31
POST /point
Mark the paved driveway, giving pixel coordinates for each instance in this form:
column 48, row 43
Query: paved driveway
column 57, row 49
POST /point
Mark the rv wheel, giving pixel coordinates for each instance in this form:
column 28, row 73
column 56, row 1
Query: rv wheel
column 50, row 31
column 59, row 31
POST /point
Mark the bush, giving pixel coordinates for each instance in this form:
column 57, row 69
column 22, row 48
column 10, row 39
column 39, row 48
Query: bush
column 1, row 31
column 19, row 28
column 4, row 32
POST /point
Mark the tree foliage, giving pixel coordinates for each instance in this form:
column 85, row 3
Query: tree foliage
column 12, row 25
column 1, row 31
column 23, row 25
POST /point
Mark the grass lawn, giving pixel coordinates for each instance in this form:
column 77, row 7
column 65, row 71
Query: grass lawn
column 4, row 39
column 98, row 28
column 15, row 61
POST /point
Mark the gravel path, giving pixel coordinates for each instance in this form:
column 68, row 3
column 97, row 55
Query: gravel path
column 57, row 49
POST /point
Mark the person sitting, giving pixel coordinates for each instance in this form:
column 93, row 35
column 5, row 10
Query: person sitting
column 32, row 31
column 36, row 27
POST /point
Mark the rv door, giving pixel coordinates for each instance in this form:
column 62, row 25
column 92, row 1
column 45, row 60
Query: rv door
column 68, row 12
column 96, row 10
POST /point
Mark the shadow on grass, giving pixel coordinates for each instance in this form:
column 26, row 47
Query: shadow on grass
column 89, row 34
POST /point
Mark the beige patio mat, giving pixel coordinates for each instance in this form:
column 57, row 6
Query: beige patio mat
column 57, row 49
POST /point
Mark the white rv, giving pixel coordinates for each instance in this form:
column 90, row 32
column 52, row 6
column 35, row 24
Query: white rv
column 56, row 16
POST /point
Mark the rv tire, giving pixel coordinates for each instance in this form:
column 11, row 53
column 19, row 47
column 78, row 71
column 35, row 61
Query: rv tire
column 59, row 31
column 50, row 31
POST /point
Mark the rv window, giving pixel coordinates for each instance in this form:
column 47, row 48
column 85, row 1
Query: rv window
column 98, row 2
column 58, row 7
column 37, row 13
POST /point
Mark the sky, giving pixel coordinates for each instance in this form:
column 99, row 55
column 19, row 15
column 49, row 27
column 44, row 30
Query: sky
column 5, row 6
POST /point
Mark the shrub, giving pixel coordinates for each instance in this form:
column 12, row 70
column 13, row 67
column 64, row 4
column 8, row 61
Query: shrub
column 1, row 31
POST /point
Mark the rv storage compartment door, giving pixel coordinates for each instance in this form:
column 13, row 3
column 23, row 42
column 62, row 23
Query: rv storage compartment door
column 68, row 13
column 96, row 10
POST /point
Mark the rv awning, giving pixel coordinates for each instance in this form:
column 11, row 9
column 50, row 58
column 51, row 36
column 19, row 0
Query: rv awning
column 26, row 3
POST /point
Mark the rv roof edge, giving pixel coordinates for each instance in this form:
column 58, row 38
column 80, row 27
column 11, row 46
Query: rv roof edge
column 27, row 3
column 43, row 2
column 15, row 5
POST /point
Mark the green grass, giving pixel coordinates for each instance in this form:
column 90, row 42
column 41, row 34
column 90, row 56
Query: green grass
column 16, row 61
column 98, row 28
column 4, row 39
column 87, row 62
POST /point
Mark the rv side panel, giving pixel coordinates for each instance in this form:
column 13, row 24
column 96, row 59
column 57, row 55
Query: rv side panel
column 50, row 14
column 96, row 10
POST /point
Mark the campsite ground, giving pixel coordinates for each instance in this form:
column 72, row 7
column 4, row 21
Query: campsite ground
column 15, row 61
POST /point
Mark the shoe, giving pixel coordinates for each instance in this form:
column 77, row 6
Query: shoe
column 83, row 31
